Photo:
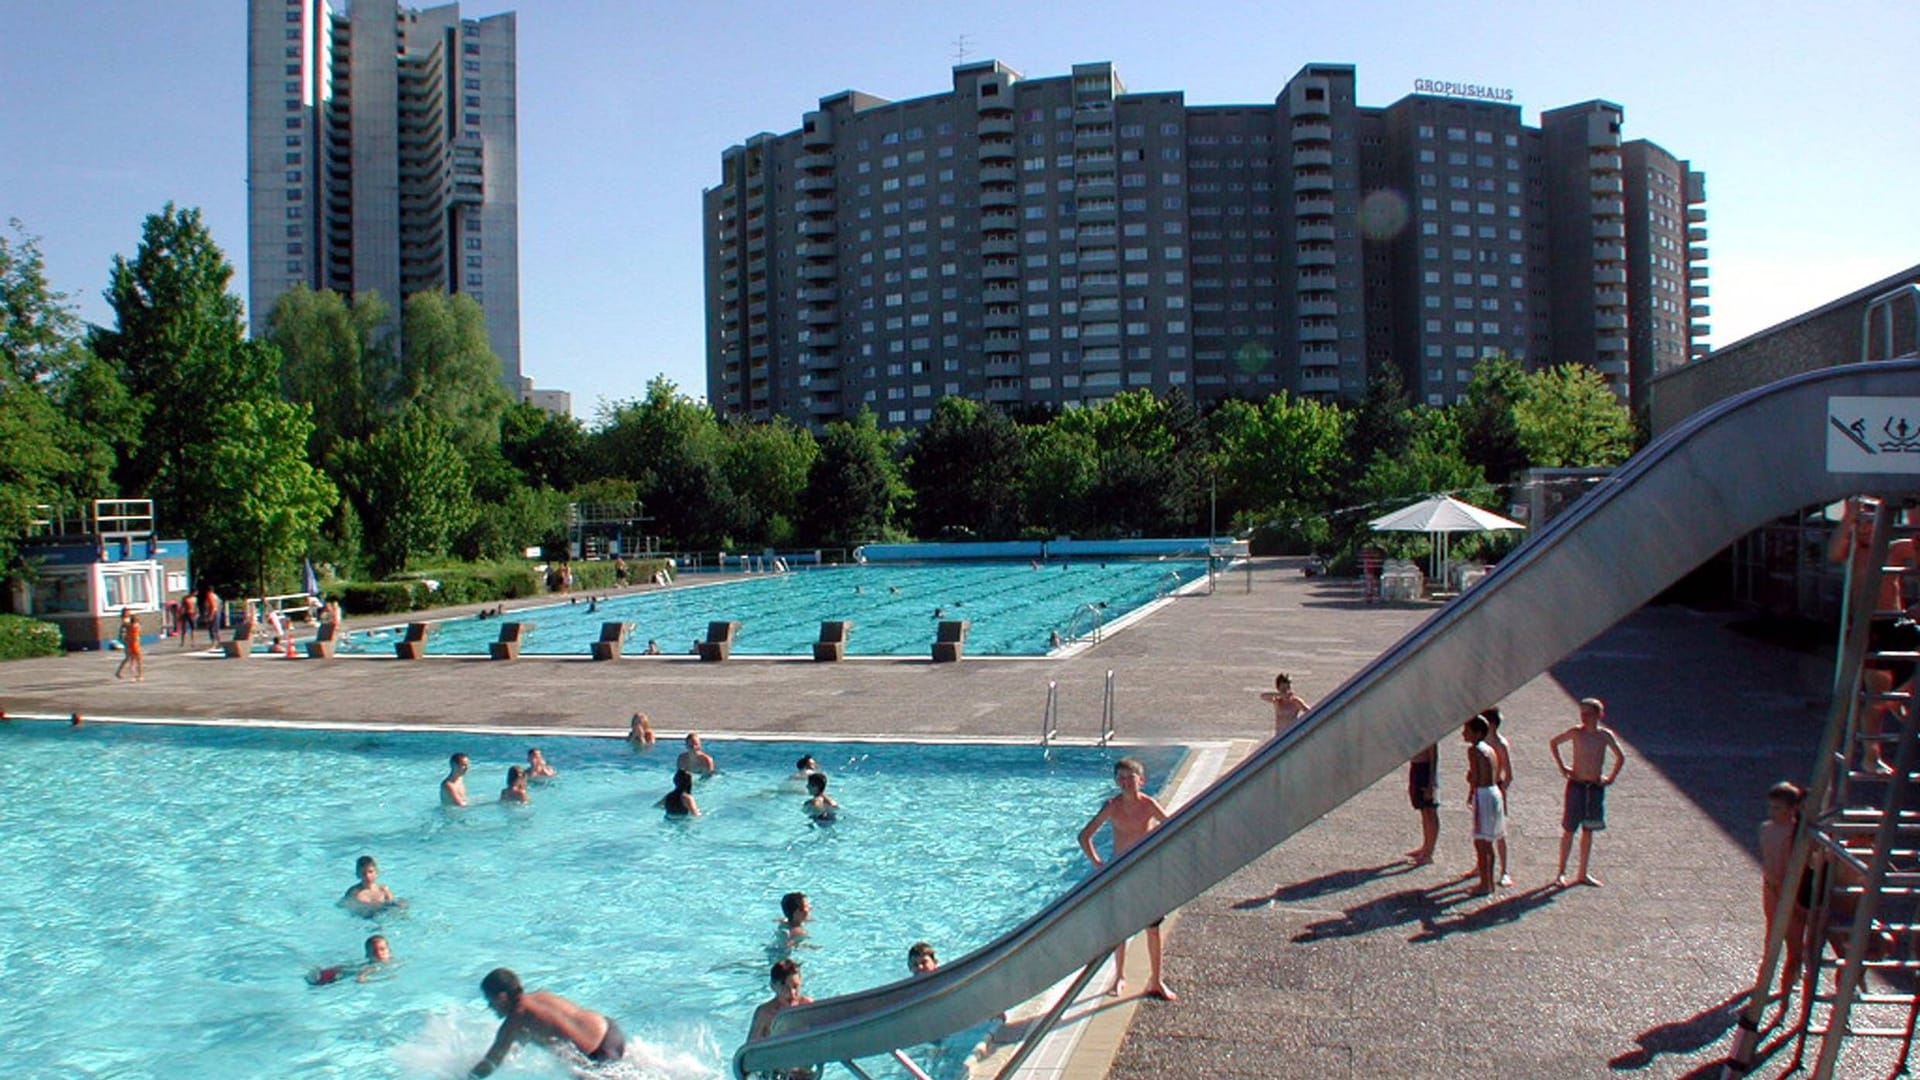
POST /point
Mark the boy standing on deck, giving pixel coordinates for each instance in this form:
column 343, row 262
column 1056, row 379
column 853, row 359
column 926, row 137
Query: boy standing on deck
column 1133, row 814
column 1586, row 801
column 1503, row 777
column 1483, row 794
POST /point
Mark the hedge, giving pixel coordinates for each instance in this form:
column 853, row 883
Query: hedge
column 22, row 637
column 477, row 584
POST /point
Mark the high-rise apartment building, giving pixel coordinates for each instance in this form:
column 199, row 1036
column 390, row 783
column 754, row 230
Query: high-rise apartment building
column 381, row 145
column 1055, row 241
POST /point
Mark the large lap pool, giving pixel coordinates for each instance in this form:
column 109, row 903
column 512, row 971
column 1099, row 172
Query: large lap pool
column 1013, row 608
column 170, row 887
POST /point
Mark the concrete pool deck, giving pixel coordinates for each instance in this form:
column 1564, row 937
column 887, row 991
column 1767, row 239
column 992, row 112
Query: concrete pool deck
column 1327, row 957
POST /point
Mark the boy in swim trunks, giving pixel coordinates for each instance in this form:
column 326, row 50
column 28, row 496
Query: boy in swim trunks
column 820, row 806
column 1423, row 792
column 1483, row 793
column 1133, row 814
column 367, row 896
column 548, row 1018
column 785, row 977
column 694, row 758
column 1503, row 752
column 378, row 953
column 1288, row 707
column 1587, row 782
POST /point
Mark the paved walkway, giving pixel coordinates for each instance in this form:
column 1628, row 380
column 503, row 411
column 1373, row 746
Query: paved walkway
column 1327, row 957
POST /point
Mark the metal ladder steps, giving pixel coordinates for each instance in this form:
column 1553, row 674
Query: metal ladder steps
column 1886, row 695
column 1909, row 886
column 1871, row 776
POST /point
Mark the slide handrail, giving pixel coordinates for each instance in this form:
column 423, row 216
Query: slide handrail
column 1725, row 472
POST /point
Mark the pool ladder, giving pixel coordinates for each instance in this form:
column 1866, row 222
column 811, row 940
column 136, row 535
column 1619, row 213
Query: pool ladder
column 1050, row 718
column 1095, row 619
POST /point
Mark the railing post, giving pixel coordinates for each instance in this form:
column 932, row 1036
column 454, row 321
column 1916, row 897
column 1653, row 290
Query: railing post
column 1049, row 726
column 1106, row 712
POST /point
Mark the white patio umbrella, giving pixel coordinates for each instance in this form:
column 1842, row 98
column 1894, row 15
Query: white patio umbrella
column 1442, row 515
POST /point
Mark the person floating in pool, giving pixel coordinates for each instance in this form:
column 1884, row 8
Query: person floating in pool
column 820, row 806
column 640, row 732
column 367, row 896
column 546, row 1018
column 694, row 759
column 378, row 953
column 453, row 790
column 516, row 789
column 785, row 978
column 537, row 767
column 791, row 928
column 679, row 802
column 921, row 959
column 803, row 771
column 939, row 613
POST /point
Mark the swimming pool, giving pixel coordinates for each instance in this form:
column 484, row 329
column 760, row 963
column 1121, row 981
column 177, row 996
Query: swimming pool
column 170, row 887
column 1012, row 607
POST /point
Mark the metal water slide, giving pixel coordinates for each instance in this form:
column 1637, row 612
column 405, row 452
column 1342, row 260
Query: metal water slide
column 1801, row 442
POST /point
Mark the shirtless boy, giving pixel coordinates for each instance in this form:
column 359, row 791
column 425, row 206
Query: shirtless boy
column 546, row 1018
column 537, row 767
column 1503, row 751
column 516, row 789
column 1483, row 794
column 1587, row 782
column 453, row 790
column 693, row 758
column 1133, row 814
column 1423, row 792
column 1288, row 707
column 820, row 806
column 795, row 910
column 785, row 978
column 367, row 896
column 378, row 953
column 1776, row 851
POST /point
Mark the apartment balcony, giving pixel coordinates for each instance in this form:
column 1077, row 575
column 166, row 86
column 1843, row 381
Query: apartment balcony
column 992, row 198
column 1607, row 320
column 999, row 245
column 1696, row 273
column 1696, row 291
column 819, row 294
column 1093, row 135
column 1610, row 230
column 1319, row 308
column 757, row 374
column 1610, row 275
column 1696, row 214
column 817, row 227
column 1319, row 333
column 1696, row 254
column 1313, row 156
column 1615, row 366
column 1319, row 355
column 996, row 150
column 1314, row 233
column 1101, row 212
column 1002, row 343
column 1003, row 367
column 999, row 221
column 818, row 271
column 821, row 316
column 814, row 206
column 1699, row 329
column 1697, row 234
column 1312, row 133
column 1610, row 298
column 1314, row 256
column 1314, row 181
column 1314, row 106
column 819, row 363
column 817, row 132
column 1316, row 283
column 1609, row 253
column 1610, row 343
column 1606, row 184
column 998, row 174
column 1699, row 311
column 1696, row 187
column 757, row 244
column 1313, row 207
column 814, row 162
column 1604, row 161
column 996, row 125
column 1003, row 391
column 824, row 407
column 814, row 183
column 823, row 339
column 821, row 384
column 1001, row 320
column 1000, row 294
column 757, row 351
column 1319, row 384
column 1093, row 289
column 816, row 249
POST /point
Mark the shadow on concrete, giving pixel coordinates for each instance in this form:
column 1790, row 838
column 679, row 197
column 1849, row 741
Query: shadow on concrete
column 1338, row 881
column 1424, row 907
column 1683, row 1037
column 1506, row 909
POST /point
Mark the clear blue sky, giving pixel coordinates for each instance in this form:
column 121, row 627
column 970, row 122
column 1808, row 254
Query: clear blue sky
column 1801, row 116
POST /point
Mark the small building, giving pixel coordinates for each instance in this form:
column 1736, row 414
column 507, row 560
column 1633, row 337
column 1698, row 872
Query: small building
column 87, row 567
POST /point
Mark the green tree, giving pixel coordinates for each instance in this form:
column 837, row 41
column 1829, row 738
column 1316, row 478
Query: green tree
column 1283, row 450
column 1490, row 431
column 1153, row 463
column 448, row 369
column 265, row 503
column 179, row 344
column 409, row 485
column 1382, row 423
column 1571, row 419
column 854, row 485
column 548, row 450
column 965, row 467
column 1434, row 462
column 336, row 356
column 766, row 465
column 1063, row 466
column 670, row 447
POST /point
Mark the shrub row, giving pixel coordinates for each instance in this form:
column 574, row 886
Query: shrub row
column 480, row 584
column 22, row 637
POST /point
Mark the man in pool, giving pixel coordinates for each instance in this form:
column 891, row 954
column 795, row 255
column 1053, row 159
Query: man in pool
column 546, row 1018
column 820, row 806
column 537, row 767
column 694, row 759
column 367, row 896
column 453, row 790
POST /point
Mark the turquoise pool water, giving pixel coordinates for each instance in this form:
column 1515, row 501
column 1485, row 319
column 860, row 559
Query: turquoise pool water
column 170, row 887
column 1013, row 609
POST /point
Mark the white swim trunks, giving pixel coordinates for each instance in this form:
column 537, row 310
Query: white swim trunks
column 1489, row 814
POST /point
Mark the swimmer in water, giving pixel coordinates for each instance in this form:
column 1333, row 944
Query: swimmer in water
column 378, row 953
column 679, row 802
column 785, row 977
column 821, row 807
column 640, row 732
column 694, row 759
column 367, row 896
column 795, row 910
column 453, row 790
column 537, row 767
column 804, row 768
column 516, row 789
column 921, row 958
column 538, row 1016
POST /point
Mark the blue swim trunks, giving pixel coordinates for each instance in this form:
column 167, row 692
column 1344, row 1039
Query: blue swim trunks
column 1586, row 806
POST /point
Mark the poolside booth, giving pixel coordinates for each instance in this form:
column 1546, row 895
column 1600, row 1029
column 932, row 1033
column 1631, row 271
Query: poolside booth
column 91, row 563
